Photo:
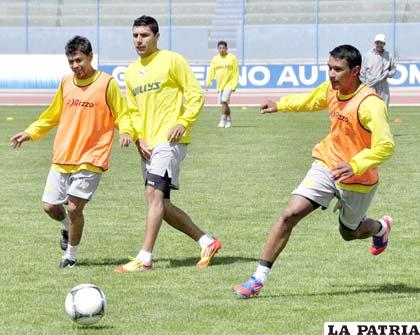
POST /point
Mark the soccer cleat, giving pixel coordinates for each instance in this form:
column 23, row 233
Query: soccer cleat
column 67, row 263
column 134, row 265
column 64, row 239
column 250, row 288
column 379, row 243
column 208, row 253
column 222, row 124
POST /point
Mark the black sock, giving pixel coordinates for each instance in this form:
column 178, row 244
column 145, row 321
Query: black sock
column 266, row 263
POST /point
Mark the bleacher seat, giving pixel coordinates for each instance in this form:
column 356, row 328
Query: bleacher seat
column 204, row 12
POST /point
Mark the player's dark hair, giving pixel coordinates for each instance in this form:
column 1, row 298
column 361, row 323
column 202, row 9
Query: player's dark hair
column 78, row 43
column 349, row 53
column 147, row 21
column 222, row 43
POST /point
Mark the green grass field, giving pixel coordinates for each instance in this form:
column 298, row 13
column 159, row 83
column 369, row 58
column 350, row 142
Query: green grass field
column 234, row 183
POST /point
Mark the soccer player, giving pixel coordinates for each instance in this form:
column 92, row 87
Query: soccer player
column 224, row 67
column 377, row 66
column 86, row 108
column 344, row 164
column 157, row 85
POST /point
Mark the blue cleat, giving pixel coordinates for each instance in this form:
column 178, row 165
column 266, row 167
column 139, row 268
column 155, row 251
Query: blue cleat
column 250, row 288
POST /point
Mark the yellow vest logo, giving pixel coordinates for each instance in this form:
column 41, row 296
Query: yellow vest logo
column 145, row 88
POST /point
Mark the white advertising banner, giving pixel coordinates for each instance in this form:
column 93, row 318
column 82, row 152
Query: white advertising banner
column 33, row 71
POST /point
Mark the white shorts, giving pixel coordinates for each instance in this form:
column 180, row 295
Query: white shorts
column 166, row 158
column 224, row 96
column 59, row 186
column 320, row 187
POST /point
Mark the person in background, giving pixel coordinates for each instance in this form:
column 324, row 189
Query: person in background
column 377, row 66
column 224, row 67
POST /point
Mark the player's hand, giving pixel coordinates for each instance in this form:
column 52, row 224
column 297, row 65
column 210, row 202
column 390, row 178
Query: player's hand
column 143, row 149
column 124, row 140
column 342, row 171
column 18, row 139
column 175, row 133
column 268, row 107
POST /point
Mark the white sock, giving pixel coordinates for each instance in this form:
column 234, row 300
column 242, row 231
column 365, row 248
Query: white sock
column 205, row 240
column 145, row 257
column 65, row 222
column 229, row 119
column 223, row 117
column 262, row 273
column 71, row 252
column 383, row 229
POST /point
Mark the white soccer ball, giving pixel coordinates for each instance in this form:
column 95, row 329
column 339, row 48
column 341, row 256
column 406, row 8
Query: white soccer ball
column 85, row 304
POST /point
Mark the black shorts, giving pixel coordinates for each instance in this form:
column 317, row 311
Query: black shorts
column 160, row 183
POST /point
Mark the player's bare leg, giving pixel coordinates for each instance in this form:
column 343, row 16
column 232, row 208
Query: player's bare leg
column 378, row 230
column 298, row 208
column 155, row 212
column 180, row 220
column 56, row 212
column 366, row 229
column 228, row 116
column 59, row 213
column 75, row 208
column 224, row 114
column 225, row 110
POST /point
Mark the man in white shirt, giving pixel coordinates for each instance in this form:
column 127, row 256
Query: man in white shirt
column 377, row 66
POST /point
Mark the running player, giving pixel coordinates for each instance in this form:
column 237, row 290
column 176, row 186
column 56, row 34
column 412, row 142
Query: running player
column 344, row 162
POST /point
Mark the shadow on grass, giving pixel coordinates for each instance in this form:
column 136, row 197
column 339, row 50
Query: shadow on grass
column 88, row 328
column 218, row 260
column 351, row 290
column 102, row 262
column 173, row 262
column 243, row 126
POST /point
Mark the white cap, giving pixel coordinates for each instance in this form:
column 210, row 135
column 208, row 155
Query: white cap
column 380, row 38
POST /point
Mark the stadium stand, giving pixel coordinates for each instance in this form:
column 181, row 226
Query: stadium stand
column 112, row 13
column 330, row 11
column 206, row 12
column 30, row 26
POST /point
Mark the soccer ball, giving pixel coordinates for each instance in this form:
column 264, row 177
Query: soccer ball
column 85, row 304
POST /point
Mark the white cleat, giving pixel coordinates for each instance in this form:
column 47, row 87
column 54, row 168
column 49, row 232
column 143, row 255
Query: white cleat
column 222, row 124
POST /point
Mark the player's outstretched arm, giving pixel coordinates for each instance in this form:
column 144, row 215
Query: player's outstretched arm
column 268, row 107
column 18, row 139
